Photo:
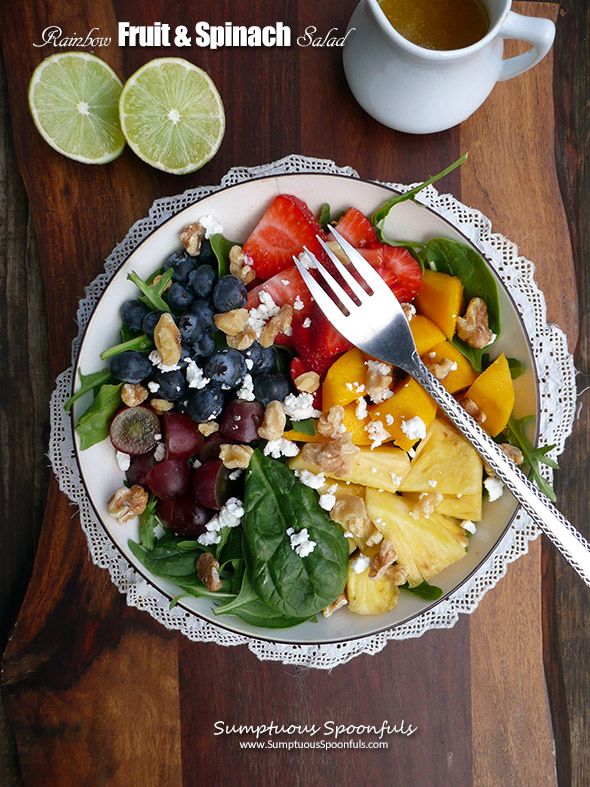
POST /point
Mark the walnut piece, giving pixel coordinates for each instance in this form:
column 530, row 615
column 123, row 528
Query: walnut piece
column 335, row 456
column 273, row 426
column 167, row 339
column 132, row 395
column 308, row 382
column 426, row 504
column 442, row 369
column 238, row 265
column 409, row 311
column 378, row 378
column 338, row 251
column 235, row 456
column 474, row 411
column 233, row 322
column 242, row 340
column 209, row 427
column 161, row 406
column 277, row 324
column 397, row 574
column 385, row 558
column 341, row 601
column 473, row 326
column 330, row 423
column 512, row 452
column 350, row 512
column 208, row 571
column 125, row 503
column 191, row 238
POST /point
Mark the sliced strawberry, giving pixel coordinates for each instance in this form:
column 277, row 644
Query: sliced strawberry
column 287, row 226
column 357, row 229
column 319, row 343
column 285, row 287
column 401, row 271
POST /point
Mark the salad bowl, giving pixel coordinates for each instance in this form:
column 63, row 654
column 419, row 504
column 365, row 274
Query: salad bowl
column 238, row 208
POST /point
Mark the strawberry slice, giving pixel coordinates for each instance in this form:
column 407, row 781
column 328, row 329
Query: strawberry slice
column 357, row 229
column 285, row 287
column 401, row 271
column 319, row 343
column 287, row 226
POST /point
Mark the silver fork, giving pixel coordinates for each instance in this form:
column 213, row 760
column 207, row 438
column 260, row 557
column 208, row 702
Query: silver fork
column 375, row 323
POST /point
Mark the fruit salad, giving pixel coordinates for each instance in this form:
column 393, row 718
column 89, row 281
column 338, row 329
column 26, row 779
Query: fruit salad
column 273, row 467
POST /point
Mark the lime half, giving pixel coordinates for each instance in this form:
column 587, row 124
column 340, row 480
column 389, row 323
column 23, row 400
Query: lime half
column 73, row 98
column 172, row 115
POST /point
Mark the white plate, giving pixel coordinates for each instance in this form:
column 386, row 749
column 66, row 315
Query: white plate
column 238, row 208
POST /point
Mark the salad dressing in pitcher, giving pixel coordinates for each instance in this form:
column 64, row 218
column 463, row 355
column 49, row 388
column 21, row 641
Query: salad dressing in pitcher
column 438, row 24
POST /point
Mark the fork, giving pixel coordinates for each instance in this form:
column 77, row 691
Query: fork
column 373, row 320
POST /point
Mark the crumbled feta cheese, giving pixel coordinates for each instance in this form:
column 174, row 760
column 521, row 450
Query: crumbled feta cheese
column 196, row 463
column 327, row 502
column 194, row 376
column 299, row 407
column 233, row 476
column 395, row 479
column 433, row 483
column 349, row 386
column 379, row 367
column 469, row 526
column 306, row 323
column 492, row 340
column 123, row 460
column 412, row 453
column 249, row 364
column 246, row 392
column 210, row 225
column 453, row 366
column 414, row 428
column 209, row 537
column 348, row 534
column 386, row 394
column 361, row 409
column 409, row 311
column 389, row 419
column 377, row 433
column 301, row 543
column 312, row 480
column 280, row 447
column 261, row 314
column 306, row 260
column 229, row 516
column 160, row 452
column 373, row 469
column 360, row 564
column 153, row 386
column 495, row 488
column 298, row 304
column 332, row 489
column 157, row 436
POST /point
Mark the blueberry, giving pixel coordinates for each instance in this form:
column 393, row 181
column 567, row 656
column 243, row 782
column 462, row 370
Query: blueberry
column 264, row 359
column 204, row 345
column 226, row 367
column 186, row 354
column 206, row 254
column 182, row 264
column 201, row 281
column 149, row 323
column 189, row 327
column 172, row 384
column 205, row 404
column 132, row 314
column 179, row 298
column 130, row 366
column 271, row 387
column 229, row 293
column 203, row 311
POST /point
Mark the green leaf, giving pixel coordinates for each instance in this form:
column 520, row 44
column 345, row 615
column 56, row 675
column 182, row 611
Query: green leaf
column 516, row 368
column 127, row 333
column 221, row 247
column 305, row 427
column 170, row 561
column 90, row 382
column 152, row 294
column 148, row 521
column 381, row 213
column 533, row 457
column 324, row 217
column 424, row 590
column 284, row 357
column 139, row 343
column 93, row 426
column 275, row 501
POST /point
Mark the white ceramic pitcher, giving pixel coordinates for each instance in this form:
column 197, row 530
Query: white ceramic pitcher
column 420, row 91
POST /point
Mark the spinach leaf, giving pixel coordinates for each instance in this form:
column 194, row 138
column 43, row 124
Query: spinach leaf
column 424, row 590
column 305, row 427
column 148, row 521
column 284, row 357
column 90, row 382
column 152, row 293
column 221, row 247
column 533, row 457
column 167, row 559
column 93, row 426
column 516, row 368
column 325, row 217
column 274, row 501
column 140, row 343
column 381, row 213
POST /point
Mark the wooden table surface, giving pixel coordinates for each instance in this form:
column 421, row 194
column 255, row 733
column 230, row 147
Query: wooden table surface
column 97, row 693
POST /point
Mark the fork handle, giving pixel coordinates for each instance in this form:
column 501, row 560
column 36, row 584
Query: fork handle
column 572, row 545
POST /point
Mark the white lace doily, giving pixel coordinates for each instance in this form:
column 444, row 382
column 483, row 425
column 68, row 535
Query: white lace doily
column 557, row 398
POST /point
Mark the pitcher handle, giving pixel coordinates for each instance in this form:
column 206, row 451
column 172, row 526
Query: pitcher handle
column 539, row 32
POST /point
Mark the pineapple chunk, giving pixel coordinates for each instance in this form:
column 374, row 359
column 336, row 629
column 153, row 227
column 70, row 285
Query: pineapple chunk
column 383, row 468
column 370, row 596
column 424, row 546
column 444, row 457
column 342, row 488
column 464, row 507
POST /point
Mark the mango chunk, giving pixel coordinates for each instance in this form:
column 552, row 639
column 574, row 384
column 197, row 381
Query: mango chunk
column 343, row 378
column 408, row 401
column 356, row 426
column 426, row 334
column 461, row 377
column 440, row 299
column 493, row 392
column 302, row 437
